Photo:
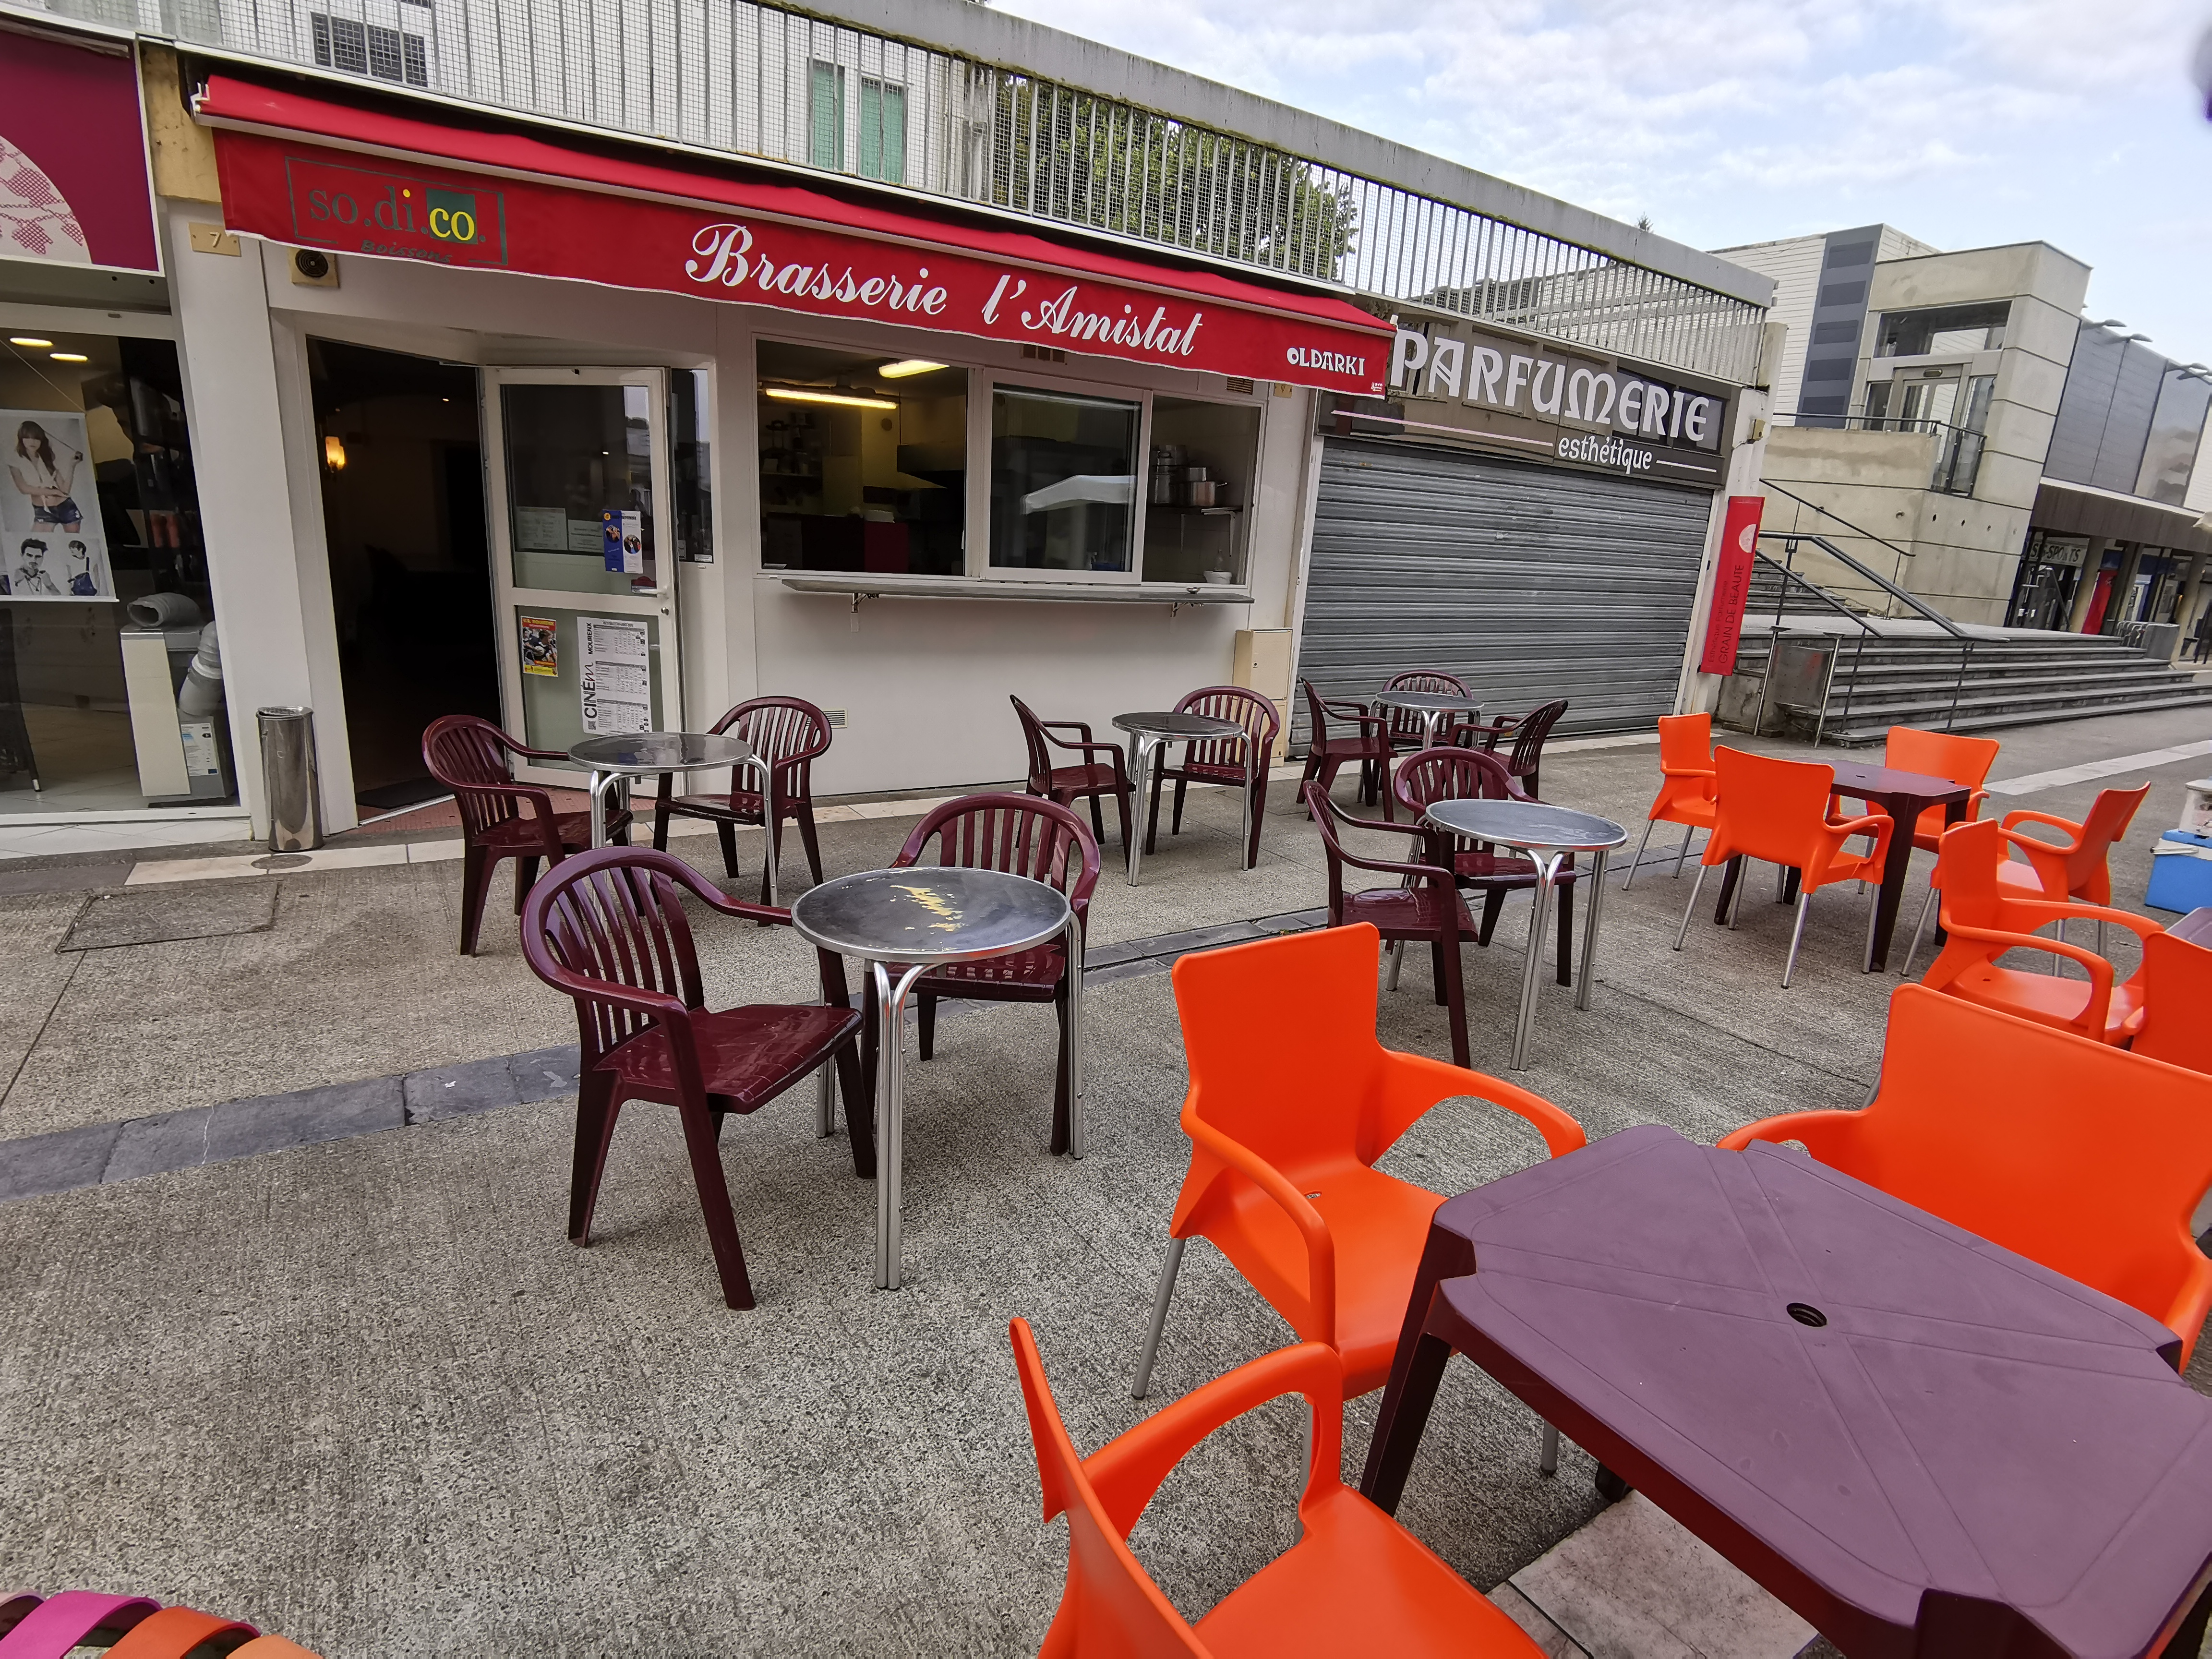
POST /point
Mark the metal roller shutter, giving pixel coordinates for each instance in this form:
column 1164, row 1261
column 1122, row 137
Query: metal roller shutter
column 1528, row 582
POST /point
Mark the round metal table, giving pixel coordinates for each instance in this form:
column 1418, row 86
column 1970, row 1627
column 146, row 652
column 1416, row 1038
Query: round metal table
column 613, row 762
column 904, row 923
column 1548, row 833
column 1431, row 707
column 1150, row 733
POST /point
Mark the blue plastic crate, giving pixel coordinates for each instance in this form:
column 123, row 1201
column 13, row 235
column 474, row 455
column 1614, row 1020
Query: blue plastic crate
column 2180, row 871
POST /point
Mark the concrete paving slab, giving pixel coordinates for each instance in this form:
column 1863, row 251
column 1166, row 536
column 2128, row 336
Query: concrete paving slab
column 66, row 876
column 165, row 916
column 157, row 1145
column 243, row 1128
column 1635, row 1584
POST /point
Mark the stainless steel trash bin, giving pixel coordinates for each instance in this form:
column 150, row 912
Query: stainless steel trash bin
column 288, row 772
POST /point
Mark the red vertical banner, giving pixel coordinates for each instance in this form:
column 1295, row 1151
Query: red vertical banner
column 1732, row 583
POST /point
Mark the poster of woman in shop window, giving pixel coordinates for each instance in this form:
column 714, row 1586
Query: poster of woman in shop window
column 51, row 542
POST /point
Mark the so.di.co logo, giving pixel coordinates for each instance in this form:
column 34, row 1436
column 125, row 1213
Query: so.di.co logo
column 394, row 216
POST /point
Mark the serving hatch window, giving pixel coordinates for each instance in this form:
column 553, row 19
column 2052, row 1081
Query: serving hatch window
column 863, row 461
column 1063, row 480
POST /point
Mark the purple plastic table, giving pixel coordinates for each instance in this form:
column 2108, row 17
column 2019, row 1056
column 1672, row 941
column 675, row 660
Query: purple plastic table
column 1923, row 1444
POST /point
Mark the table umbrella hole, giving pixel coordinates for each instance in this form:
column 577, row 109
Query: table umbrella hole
column 1805, row 1314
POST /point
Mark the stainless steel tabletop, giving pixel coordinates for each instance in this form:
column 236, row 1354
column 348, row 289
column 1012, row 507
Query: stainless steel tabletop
column 929, row 913
column 1429, row 703
column 1176, row 727
column 642, row 753
column 1527, row 825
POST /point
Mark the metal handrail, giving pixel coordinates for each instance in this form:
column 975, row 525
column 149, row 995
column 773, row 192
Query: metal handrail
column 1866, row 571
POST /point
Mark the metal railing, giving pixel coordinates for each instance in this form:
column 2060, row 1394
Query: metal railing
column 761, row 81
column 1791, row 582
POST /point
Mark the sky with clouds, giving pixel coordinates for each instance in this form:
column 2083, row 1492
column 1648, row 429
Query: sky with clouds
column 1965, row 123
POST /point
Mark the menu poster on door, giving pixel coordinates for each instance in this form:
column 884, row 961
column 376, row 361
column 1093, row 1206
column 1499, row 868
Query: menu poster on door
column 541, row 646
column 616, row 676
column 624, row 535
column 53, row 544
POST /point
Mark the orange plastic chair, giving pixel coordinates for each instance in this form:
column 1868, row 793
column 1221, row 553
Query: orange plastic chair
column 178, row 1631
column 1356, row 1581
column 1778, row 810
column 2077, row 1155
column 2176, row 982
column 1686, row 786
column 1983, row 920
column 1291, row 1101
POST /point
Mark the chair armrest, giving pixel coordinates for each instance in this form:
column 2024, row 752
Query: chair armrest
column 766, row 915
column 1128, row 1469
column 2071, row 910
column 1870, row 823
column 1689, row 772
column 1345, row 709
column 1083, row 726
column 1320, row 1248
column 2101, row 972
column 2013, row 821
column 1789, row 1126
column 1415, row 1078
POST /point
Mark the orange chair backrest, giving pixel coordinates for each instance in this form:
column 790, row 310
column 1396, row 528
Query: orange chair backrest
column 1281, row 1038
column 2078, row 1155
column 1940, row 755
column 2110, row 814
column 1768, row 809
column 2177, row 1003
column 1966, row 873
column 1686, row 744
column 1111, row 1606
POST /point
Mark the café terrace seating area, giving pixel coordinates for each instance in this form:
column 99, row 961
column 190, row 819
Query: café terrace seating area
column 1812, row 1197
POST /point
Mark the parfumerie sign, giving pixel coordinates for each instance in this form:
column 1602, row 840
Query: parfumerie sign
column 1456, row 380
column 316, row 197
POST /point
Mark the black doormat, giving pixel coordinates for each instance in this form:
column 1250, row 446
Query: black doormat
column 171, row 911
column 390, row 797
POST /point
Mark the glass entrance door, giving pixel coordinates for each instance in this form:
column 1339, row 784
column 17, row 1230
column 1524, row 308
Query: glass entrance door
column 578, row 466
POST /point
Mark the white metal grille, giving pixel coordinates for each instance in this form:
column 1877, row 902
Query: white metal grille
column 755, row 80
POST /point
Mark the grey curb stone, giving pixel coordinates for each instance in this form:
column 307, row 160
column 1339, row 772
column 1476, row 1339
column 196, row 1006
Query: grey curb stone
column 159, row 1144
column 273, row 1123
column 56, row 1163
column 480, row 1085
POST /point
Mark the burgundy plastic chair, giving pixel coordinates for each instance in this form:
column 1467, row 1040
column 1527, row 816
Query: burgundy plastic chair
column 1528, row 733
column 1088, row 781
column 1407, row 730
column 788, row 733
column 60, row 1624
column 609, row 929
column 1427, row 909
column 1325, row 755
column 1221, row 761
column 470, row 757
column 1435, row 774
column 1026, row 836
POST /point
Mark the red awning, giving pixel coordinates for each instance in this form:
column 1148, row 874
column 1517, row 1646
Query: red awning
column 313, row 173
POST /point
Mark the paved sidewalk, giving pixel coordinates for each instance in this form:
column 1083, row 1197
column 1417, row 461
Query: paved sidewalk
column 361, row 1390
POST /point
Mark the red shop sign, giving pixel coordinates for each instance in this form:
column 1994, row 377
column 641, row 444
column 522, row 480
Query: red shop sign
column 997, row 285
column 1732, row 583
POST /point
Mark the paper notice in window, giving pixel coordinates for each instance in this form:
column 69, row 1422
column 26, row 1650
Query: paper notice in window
column 541, row 529
column 616, row 676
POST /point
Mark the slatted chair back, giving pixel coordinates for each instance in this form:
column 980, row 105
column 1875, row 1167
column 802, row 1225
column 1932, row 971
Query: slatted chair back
column 787, row 732
column 1454, row 774
column 469, row 756
column 1405, row 723
column 1021, row 834
column 1528, row 737
column 1040, row 777
column 1249, row 709
column 607, row 928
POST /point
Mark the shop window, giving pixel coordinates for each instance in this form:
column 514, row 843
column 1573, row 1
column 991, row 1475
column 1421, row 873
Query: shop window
column 863, row 462
column 883, row 131
column 574, row 455
column 111, row 674
column 691, row 466
column 825, row 116
column 1063, row 480
column 1204, row 459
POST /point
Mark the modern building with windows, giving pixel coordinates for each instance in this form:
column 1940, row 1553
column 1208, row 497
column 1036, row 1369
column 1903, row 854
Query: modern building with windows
column 594, row 370
column 1952, row 420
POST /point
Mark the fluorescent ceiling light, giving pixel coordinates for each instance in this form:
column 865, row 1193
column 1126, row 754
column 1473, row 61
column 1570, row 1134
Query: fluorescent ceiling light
column 792, row 394
column 69, row 357
column 904, row 367
column 28, row 340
